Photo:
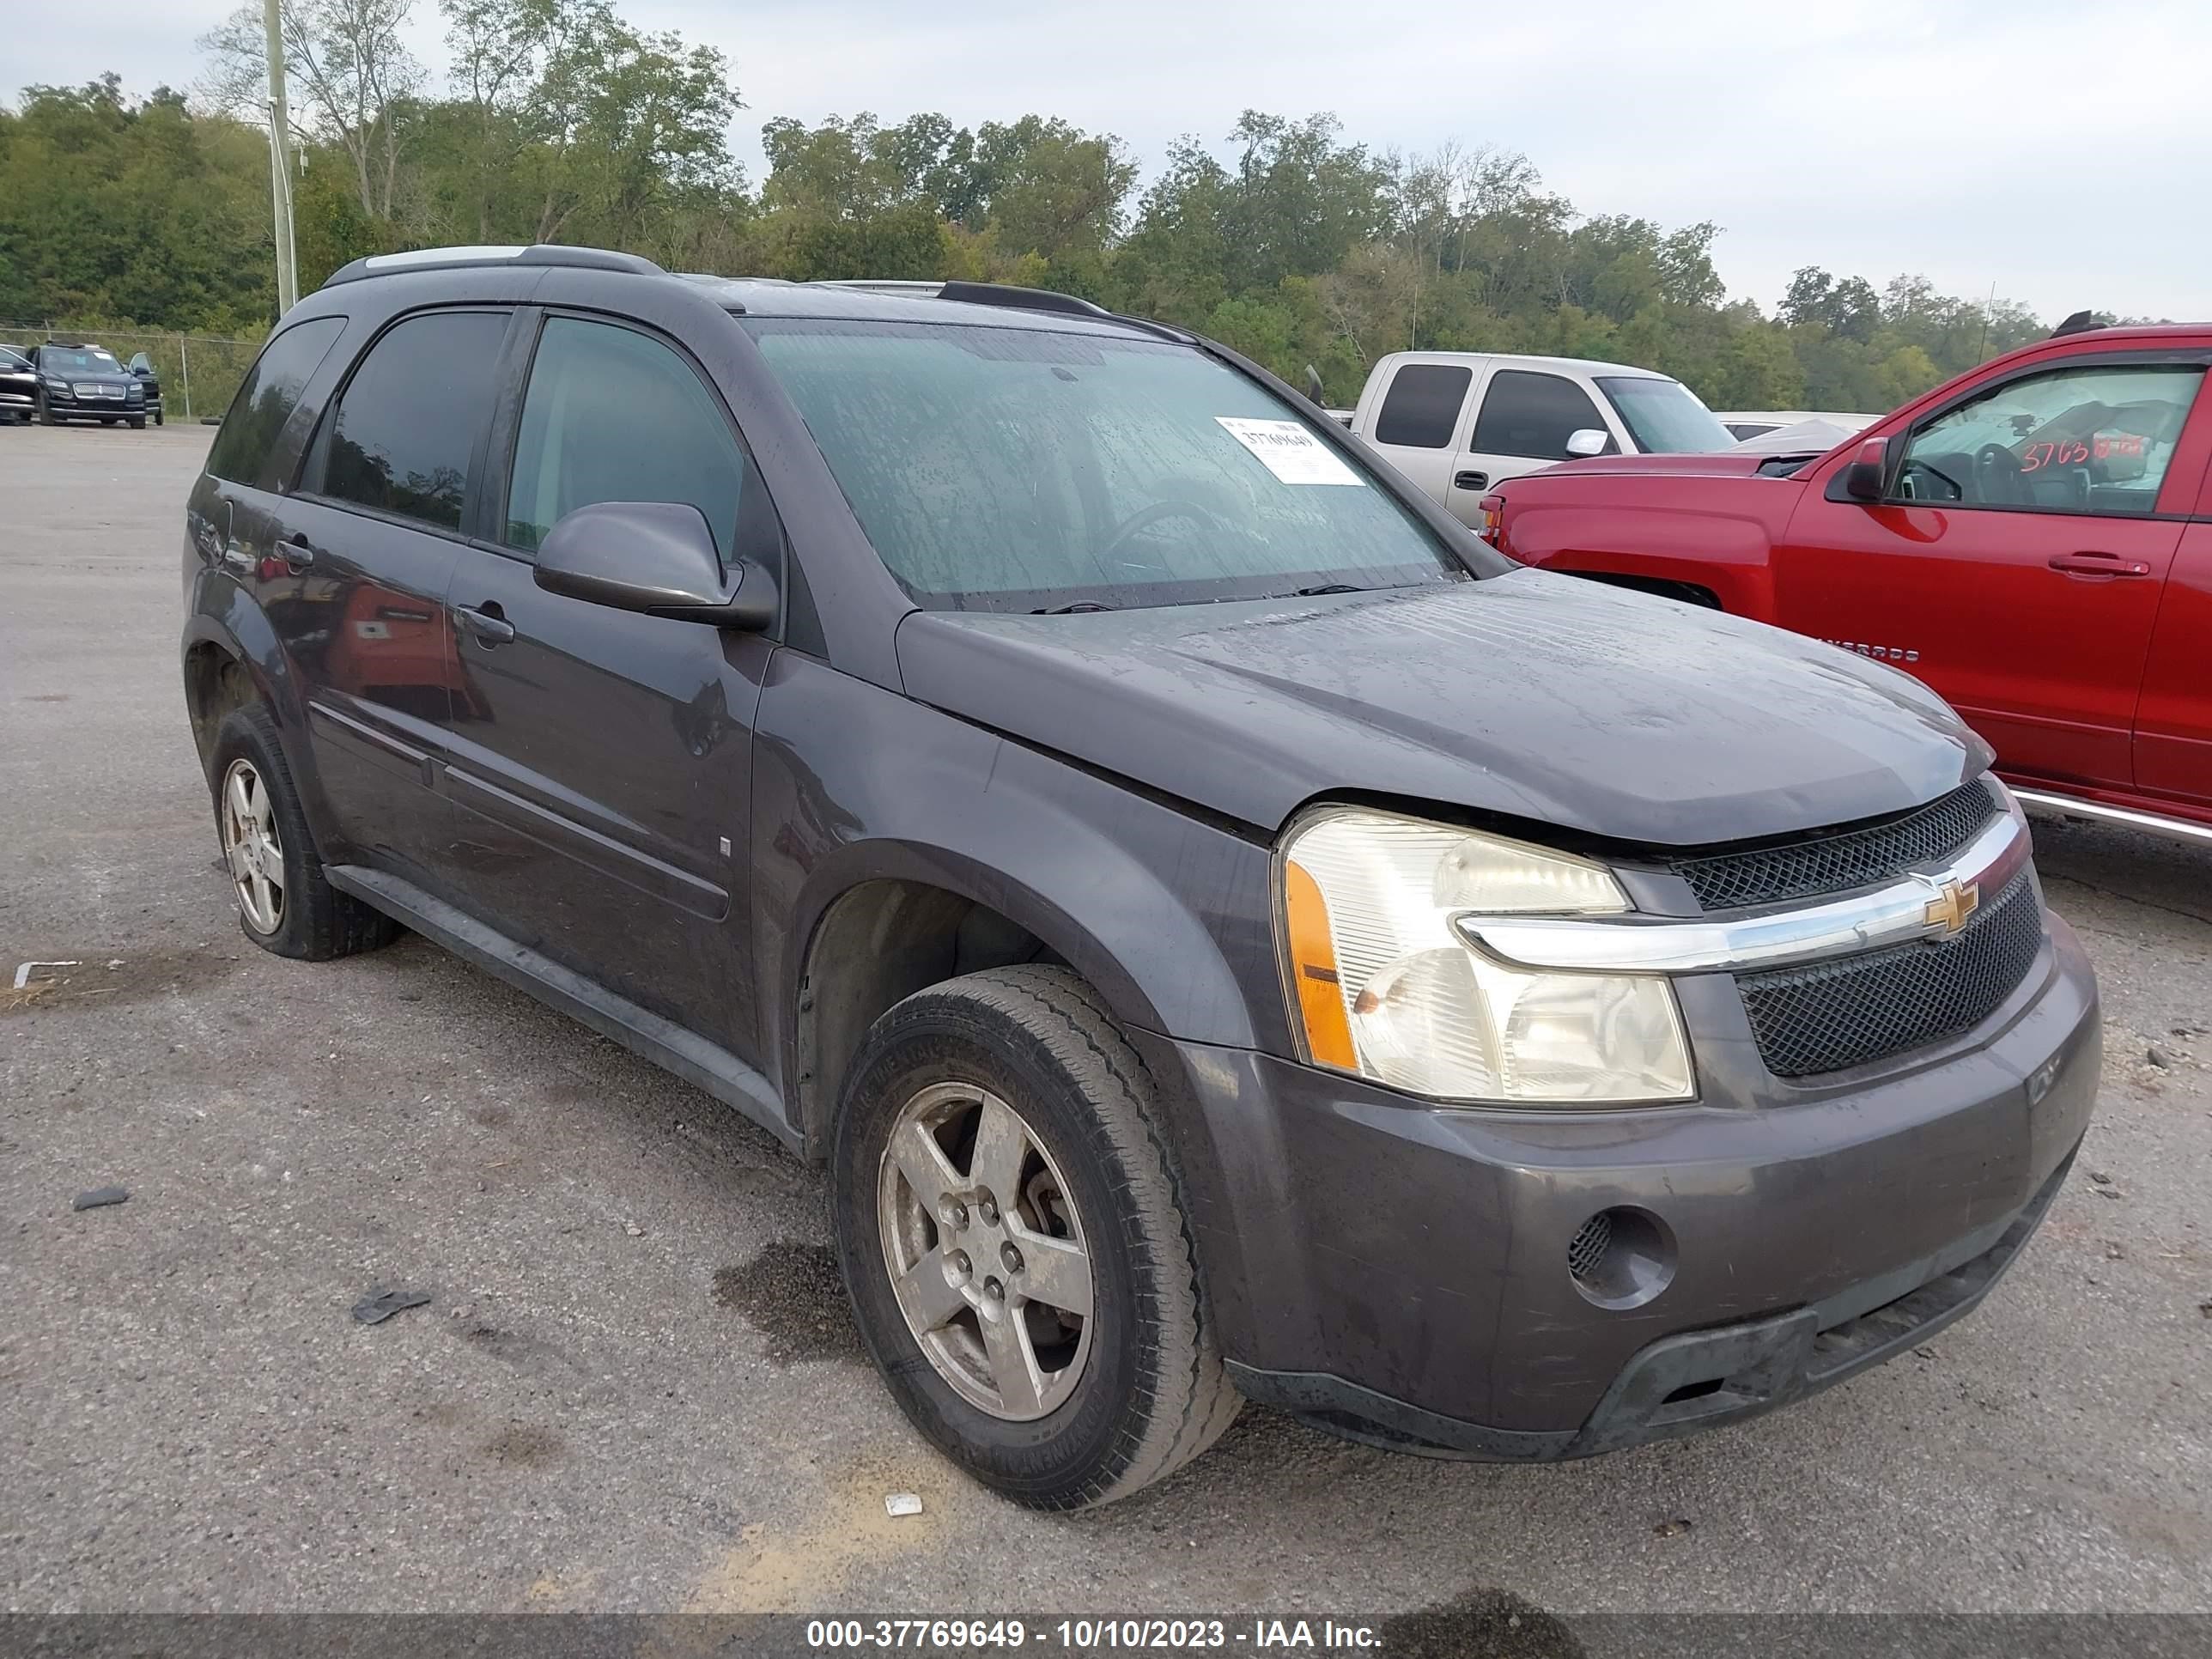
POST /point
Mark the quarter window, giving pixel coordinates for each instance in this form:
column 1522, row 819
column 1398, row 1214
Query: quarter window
column 406, row 425
column 2095, row 439
column 1525, row 413
column 1422, row 406
column 267, row 397
column 613, row 415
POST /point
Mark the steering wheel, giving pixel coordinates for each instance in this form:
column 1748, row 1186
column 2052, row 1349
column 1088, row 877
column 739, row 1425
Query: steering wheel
column 1996, row 474
column 1146, row 517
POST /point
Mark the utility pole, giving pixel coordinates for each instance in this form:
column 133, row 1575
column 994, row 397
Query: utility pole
column 280, row 164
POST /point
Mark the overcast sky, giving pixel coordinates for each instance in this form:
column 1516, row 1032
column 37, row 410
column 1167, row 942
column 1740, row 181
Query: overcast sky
column 2059, row 151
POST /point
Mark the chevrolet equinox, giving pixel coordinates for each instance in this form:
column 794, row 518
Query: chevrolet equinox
column 1228, row 933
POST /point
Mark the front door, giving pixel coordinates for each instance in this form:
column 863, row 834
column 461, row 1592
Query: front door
column 601, row 758
column 2016, row 562
column 1521, row 425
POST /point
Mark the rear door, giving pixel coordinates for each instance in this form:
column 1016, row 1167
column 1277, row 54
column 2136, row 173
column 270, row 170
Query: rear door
column 601, row 758
column 2017, row 559
column 1521, row 425
column 359, row 576
column 2173, row 722
column 1419, row 417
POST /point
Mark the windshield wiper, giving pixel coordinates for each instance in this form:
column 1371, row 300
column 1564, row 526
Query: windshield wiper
column 1326, row 588
column 1070, row 608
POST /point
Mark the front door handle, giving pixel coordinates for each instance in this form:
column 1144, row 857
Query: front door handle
column 486, row 623
column 1470, row 481
column 296, row 552
column 2098, row 564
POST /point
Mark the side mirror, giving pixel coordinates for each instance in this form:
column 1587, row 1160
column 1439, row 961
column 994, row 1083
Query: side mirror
column 1585, row 442
column 141, row 364
column 1317, row 394
column 1861, row 478
column 655, row 557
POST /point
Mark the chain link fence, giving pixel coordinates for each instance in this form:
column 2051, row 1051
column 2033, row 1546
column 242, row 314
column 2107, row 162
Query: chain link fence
column 199, row 372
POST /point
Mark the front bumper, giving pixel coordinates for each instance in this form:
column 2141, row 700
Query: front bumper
column 1399, row 1273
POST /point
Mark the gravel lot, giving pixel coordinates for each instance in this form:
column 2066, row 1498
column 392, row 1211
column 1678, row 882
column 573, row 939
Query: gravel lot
column 637, row 1387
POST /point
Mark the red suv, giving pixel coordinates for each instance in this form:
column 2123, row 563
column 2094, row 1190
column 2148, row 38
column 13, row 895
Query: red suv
column 2033, row 539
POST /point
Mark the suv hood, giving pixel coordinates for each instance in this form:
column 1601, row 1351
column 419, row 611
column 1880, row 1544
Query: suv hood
column 1542, row 697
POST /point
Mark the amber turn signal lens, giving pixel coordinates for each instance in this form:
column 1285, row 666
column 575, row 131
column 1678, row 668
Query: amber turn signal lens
column 1313, row 964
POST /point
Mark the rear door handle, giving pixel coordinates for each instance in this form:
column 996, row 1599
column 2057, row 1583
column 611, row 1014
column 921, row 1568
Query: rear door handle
column 296, row 552
column 1470, row 481
column 486, row 623
column 2098, row 564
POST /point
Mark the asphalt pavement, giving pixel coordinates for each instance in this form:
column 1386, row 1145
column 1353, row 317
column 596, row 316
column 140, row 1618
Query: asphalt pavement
column 635, row 1385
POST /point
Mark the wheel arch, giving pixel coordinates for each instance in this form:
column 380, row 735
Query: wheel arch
column 899, row 922
column 234, row 658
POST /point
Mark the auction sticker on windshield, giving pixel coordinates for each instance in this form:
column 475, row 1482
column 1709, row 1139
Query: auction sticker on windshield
column 1287, row 449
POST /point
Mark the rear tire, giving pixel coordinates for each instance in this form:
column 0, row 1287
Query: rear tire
column 309, row 919
column 1113, row 1398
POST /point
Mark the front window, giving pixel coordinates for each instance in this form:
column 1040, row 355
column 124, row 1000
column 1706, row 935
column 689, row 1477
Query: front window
column 612, row 415
column 1664, row 416
column 2091, row 438
column 78, row 359
column 1017, row 469
column 1532, row 415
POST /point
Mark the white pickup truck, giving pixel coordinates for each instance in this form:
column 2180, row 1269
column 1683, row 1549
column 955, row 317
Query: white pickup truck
column 1459, row 423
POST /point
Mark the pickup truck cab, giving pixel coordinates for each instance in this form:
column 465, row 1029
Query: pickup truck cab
column 2033, row 539
column 1458, row 423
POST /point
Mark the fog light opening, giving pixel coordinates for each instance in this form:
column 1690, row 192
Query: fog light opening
column 1621, row 1258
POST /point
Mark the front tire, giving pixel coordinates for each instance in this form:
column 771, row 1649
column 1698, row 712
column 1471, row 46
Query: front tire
column 138, row 422
column 1008, row 1223
column 46, row 416
column 284, row 904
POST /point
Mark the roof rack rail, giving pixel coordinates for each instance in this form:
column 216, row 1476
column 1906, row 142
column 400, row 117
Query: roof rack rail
column 1044, row 299
column 538, row 253
column 1021, row 299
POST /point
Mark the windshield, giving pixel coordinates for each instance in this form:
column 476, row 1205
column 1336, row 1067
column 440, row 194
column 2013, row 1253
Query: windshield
column 77, row 360
column 1010, row 469
column 1664, row 416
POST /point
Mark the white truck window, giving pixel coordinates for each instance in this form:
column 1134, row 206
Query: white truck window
column 1423, row 405
column 1526, row 413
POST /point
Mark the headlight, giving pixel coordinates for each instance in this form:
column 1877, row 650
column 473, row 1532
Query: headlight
column 1385, row 985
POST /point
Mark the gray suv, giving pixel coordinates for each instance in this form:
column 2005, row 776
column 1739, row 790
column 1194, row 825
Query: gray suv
column 1227, row 934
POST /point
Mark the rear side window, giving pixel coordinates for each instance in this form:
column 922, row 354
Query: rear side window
column 406, row 428
column 1525, row 413
column 265, row 401
column 1423, row 405
column 612, row 415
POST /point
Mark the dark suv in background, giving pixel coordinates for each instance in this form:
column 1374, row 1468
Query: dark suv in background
column 84, row 382
column 1227, row 932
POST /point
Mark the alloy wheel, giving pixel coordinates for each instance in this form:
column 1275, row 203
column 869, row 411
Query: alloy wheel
column 985, row 1251
column 251, row 847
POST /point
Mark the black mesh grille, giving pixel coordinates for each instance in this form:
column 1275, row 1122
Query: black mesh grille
column 1837, row 862
column 1587, row 1249
column 1847, row 1012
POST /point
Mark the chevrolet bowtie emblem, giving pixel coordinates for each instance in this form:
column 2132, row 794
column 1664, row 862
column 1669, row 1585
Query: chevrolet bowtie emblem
column 1955, row 901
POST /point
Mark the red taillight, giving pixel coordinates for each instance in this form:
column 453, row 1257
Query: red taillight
column 1491, row 528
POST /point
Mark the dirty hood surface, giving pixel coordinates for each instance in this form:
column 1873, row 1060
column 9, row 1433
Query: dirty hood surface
column 1545, row 697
